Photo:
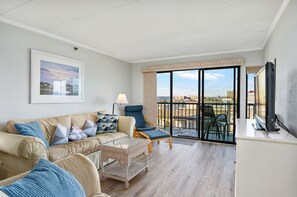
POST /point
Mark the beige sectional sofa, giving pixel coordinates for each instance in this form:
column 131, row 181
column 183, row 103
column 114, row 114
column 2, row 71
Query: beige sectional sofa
column 20, row 153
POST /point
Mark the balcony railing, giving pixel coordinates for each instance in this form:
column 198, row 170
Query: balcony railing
column 185, row 115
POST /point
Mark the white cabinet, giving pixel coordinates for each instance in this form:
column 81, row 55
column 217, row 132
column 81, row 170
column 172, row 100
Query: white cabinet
column 266, row 162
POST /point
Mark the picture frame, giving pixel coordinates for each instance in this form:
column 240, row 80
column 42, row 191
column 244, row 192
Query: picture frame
column 56, row 79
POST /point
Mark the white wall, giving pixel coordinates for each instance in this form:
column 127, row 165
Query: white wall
column 250, row 59
column 105, row 77
column 282, row 45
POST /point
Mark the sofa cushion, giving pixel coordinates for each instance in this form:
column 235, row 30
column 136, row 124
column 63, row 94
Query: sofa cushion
column 37, row 183
column 90, row 128
column 48, row 125
column 107, row 123
column 80, row 119
column 77, row 134
column 31, row 129
column 61, row 135
column 90, row 132
column 86, row 146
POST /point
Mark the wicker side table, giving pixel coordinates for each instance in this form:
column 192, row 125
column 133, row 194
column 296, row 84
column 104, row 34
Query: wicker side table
column 124, row 150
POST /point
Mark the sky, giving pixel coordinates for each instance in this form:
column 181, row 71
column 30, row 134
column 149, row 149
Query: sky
column 185, row 83
column 50, row 72
column 251, row 82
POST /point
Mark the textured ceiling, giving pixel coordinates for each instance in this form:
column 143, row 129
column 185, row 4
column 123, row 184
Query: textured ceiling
column 140, row 30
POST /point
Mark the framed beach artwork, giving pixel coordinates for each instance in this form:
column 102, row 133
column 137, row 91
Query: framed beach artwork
column 56, row 79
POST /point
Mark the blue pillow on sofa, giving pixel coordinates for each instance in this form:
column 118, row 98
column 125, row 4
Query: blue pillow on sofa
column 31, row 129
column 46, row 179
column 107, row 123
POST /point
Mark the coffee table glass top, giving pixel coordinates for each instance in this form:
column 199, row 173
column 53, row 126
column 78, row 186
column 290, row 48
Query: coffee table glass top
column 125, row 142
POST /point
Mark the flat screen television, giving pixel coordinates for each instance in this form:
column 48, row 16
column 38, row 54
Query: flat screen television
column 265, row 98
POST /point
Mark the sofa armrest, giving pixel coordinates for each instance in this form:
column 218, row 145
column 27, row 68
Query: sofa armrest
column 27, row 147
column 126, row 125
column 100, row 195
column 81, row 168
column 84, row 171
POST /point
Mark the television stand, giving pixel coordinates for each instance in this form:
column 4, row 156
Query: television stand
column 257, row 126
column 266, row 162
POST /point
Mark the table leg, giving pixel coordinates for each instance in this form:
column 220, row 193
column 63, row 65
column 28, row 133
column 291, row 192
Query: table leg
column 147, row 163
column 102, row 169
column 127, row 174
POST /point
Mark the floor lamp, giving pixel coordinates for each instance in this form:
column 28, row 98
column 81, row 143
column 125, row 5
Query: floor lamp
column 122, row 99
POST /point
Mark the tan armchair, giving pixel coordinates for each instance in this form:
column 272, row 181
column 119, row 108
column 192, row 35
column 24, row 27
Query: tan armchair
column 81, row 168
column 19, row 153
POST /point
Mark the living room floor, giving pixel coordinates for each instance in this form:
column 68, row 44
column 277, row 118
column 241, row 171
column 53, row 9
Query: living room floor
column 190, row 168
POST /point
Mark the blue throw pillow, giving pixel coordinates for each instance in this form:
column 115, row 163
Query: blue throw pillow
column 31, row 129
column 107, row 123
column 90, row 128
column 61, row 135
column 47, row 180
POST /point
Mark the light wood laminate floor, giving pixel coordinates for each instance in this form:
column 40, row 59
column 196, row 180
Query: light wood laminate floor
column 191, row 168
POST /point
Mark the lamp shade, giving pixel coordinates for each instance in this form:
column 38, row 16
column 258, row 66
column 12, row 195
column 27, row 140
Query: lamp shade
column 122, row 99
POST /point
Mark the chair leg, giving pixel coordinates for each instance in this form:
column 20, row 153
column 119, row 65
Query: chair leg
column 218, row 131
column 170, row 142
column 150, row 148
column 208, row 127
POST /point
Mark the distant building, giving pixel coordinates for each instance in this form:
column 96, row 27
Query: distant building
column 251, row 97
column 230, row 94
column 227, row 100
column 178, row 97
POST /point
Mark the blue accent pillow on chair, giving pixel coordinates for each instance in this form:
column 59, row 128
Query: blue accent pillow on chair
column 31, row 129
column 47, row 180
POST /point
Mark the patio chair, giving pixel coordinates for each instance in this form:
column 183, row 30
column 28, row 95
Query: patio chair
column 146, row 129
column 219, row 122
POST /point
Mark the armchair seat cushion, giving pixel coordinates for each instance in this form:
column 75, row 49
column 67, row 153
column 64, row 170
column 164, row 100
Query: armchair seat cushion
column 145, row 128
column 156, row 134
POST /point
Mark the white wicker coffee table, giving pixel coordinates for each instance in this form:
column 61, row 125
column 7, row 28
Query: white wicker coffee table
column 124, row 150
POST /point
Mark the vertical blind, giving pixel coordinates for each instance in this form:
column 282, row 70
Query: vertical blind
column 150, row 96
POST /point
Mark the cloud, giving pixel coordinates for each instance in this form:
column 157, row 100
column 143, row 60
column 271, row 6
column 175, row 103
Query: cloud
column 188, row 75
column 57, row 72
column 194, row 76
column 212, row 76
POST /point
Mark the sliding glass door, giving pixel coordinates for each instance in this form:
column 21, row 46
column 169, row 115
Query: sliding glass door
column 185, row 103
column 199, row 104
column 219, row 104
column 164, row 100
